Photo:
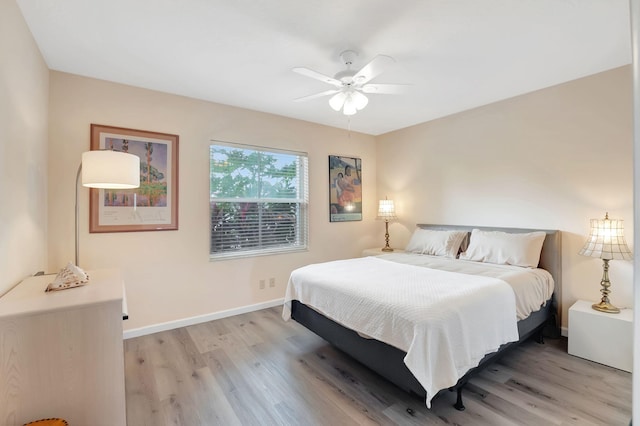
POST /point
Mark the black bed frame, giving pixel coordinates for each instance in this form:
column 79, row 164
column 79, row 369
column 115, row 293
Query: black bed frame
column 388, row 361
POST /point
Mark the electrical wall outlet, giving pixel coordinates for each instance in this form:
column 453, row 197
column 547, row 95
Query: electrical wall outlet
column 262, row 284
column 272, row 282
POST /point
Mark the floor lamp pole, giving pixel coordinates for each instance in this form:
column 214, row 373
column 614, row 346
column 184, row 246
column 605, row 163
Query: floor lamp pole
column 77, row 213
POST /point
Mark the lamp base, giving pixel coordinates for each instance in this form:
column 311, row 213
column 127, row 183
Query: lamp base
column 605, row 307
column 386, row 236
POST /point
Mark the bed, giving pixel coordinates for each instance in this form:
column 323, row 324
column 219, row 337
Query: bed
column 434, row 339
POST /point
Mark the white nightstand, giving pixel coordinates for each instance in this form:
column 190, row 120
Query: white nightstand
column 601, row 337
column 378, row 251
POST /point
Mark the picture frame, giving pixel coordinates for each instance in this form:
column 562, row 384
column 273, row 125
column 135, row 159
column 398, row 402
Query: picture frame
column 154, row 205
column 345, row 188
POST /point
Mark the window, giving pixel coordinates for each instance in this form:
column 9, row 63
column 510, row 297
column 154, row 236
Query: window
column 259, row 202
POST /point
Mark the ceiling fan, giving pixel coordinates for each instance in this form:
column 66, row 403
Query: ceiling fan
column 351, row 85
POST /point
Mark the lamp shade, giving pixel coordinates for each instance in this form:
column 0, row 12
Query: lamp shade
column 110, row 170
column 359, row 100
column 337, row 101
column 350, row 102
column 349, row 106
column 386, row 210
column 606, row 240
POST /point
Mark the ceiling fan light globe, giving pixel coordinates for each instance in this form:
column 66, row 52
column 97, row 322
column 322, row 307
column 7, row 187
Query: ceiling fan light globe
column 359, row 100
column 349, row 107
column 337, row 101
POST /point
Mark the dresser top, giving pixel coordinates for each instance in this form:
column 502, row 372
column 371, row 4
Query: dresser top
column 29, row 296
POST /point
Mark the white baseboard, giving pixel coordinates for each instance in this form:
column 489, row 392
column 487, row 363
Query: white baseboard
column 564, row 331
column 170, row 325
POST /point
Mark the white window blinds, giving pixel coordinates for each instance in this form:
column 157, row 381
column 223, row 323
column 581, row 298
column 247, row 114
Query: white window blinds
column 259, row 200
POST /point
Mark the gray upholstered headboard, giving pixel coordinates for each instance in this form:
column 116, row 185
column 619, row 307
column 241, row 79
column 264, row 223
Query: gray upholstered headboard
column 550, row 257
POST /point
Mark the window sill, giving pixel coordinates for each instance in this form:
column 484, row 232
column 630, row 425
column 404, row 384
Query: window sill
column 254, row 253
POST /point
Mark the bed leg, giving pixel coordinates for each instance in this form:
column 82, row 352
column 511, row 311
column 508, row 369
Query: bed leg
column 459, row 405
column 540, row 336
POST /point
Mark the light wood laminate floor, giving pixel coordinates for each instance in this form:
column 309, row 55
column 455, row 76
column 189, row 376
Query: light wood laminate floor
column 256, row 369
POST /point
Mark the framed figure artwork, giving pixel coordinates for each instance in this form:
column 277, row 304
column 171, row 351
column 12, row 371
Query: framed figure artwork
column 154, row 205
column 345, row 188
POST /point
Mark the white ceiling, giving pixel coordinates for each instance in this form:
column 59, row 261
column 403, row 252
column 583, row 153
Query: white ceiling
column 456, row 54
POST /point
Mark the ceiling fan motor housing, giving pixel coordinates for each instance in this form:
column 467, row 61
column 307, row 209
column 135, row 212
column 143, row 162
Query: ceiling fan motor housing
column 346, row 77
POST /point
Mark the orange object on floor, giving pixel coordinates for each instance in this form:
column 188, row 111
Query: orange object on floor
column 48, row 422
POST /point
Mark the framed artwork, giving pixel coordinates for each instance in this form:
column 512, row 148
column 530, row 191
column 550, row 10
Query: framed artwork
column 154, row 205
column 345, row 188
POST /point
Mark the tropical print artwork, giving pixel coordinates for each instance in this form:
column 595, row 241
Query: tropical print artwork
column 153, row 175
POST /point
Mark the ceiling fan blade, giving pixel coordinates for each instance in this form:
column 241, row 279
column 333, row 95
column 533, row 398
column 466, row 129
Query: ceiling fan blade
column 385, row 89
column 373, row 69
column 318, row 76
column 317, row 95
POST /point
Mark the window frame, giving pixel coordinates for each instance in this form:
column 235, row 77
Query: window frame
column 301, row 201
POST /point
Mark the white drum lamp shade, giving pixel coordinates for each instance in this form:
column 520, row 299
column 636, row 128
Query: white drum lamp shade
column 105, row 169
column 110, row 170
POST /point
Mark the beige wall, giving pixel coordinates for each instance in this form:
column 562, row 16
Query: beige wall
column 24, row 86
column 168, row 273
column 550, row 159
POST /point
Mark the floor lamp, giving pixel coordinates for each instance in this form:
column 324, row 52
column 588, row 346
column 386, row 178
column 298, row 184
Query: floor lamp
column 105, row 169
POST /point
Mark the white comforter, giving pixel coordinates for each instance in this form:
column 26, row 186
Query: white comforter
column 445, row 321
column 532, row 287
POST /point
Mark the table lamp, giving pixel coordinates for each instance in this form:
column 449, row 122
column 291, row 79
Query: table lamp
column 606, row 241
column 386, row 212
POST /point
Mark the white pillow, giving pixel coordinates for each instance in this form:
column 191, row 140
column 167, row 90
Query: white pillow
column 436, row 243
column 505, row 248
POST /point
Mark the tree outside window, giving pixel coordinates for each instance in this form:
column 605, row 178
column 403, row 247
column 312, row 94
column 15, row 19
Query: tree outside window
column 258, row 201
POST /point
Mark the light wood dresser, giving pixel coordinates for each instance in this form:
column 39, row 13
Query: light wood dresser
column 61, row 352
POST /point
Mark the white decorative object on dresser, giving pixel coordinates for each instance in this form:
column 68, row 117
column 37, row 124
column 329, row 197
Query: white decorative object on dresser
column 62, row 352
column 601, row 337
column 378, row 251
